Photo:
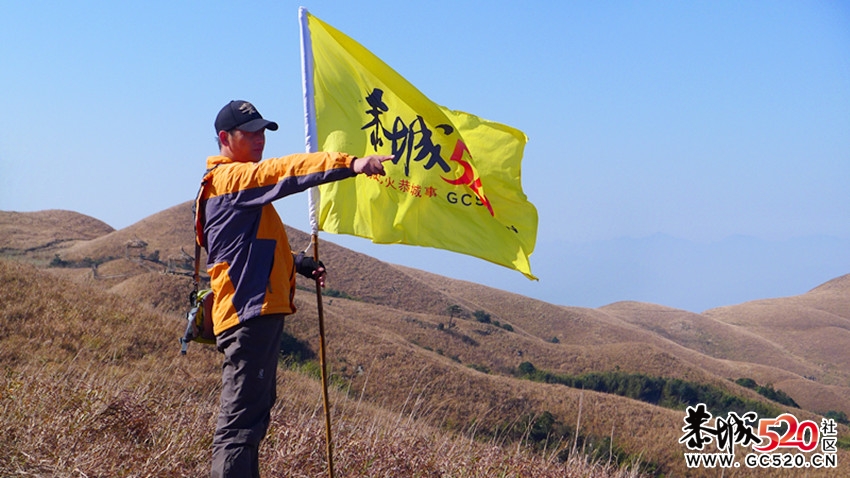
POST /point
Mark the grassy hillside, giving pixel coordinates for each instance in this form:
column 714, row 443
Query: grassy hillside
column 418, row 362
column 92, row 385
column 39, row 234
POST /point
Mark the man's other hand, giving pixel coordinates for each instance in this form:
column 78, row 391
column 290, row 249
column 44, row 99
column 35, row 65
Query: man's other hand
column 370, row 165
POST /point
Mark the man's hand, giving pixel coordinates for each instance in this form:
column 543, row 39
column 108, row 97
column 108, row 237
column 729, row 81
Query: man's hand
column 307, row 267
column 319, row 276
column 370, row 165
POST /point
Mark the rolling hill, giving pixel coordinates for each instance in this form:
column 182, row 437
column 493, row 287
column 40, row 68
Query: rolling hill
column 449, row 354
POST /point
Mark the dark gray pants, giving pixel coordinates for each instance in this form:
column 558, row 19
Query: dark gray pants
column 249, row 376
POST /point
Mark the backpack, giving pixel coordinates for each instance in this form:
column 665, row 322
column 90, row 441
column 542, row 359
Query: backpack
column 199, row 323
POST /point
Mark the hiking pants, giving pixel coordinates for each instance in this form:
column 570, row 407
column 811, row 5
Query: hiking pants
column 249, row 375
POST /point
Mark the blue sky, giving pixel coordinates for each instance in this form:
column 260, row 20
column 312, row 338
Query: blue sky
column 699, row 122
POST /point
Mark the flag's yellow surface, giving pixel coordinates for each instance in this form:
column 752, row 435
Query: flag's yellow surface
column 455, row 180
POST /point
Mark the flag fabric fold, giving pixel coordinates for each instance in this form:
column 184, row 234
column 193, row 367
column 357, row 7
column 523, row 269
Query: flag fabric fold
column 455, row 180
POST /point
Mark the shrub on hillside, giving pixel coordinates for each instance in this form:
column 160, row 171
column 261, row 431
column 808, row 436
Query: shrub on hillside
column 747, row 383
column 83, row 263
column 838, row 416
column 666, row 392
column 768, row 391
column 481, row 316
column 294, row 349
column 328, row 292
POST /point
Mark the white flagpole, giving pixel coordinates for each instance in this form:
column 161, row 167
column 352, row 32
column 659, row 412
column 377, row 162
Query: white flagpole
column 309, row 109
column 313, row 207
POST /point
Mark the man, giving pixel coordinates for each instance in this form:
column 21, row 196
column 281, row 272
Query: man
column 252, row 270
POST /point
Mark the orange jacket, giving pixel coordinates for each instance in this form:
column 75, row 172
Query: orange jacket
column 248, row 256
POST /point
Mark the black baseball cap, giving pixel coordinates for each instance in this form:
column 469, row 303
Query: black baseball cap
column 243, row 116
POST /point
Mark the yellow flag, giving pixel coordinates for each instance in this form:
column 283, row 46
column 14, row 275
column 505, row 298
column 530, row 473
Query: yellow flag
column 454, row 182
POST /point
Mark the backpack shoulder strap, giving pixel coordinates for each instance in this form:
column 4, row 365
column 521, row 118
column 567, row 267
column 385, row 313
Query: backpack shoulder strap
column 199, row 228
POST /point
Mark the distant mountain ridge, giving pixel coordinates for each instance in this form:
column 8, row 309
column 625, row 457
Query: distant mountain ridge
column 685, row 274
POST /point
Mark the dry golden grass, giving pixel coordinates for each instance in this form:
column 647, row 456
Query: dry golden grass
column 662, row 341
column 410, row 381
column 92, row 385
column 170, row 232
column 43, row 233
column 391, row 363
column 813, row 328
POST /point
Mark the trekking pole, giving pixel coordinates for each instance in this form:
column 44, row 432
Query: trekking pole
column 315, row 241
column 314, row 203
